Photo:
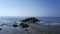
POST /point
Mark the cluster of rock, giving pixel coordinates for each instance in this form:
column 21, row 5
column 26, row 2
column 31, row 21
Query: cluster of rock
column 24, row 22
column 23, row 25
column 28, row 20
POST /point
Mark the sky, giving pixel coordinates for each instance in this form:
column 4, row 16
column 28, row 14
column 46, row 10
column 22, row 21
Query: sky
column 44, row 8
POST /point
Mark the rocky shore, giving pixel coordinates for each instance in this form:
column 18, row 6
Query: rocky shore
column 28, row 26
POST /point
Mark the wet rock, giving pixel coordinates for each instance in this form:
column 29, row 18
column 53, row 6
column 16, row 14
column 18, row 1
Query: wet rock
column 0, row 28
column 31, row 20
column 14, row 25
column 23, row 25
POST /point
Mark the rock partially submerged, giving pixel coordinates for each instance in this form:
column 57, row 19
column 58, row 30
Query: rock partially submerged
column 23, row 25
column 25, row 22
column 15, row 25
column 0, row 28
column 31, row 20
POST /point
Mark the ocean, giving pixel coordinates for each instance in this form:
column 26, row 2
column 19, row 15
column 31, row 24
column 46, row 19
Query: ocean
column 43, row 19
column 46, row 23
column 50, row 20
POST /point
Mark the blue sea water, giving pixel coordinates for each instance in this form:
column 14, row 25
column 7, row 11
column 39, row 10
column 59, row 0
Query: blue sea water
column 50, row 20
column 45, row 20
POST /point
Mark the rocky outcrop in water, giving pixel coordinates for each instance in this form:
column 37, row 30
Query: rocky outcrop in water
column 0, row 28
column 31, row 20
column 28, row 20
column 15, row 24
column 24, row 25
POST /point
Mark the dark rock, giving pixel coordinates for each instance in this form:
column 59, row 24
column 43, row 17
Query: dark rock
column 24, row 25
column 14, row 25
column 31, row 20
column 0, row 28
column 21, row 24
